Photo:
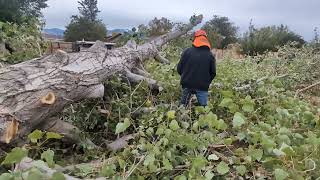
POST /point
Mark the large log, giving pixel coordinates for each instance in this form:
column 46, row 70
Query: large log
column 32, row 93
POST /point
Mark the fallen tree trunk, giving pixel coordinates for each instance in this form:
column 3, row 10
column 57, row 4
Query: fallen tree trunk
column 35, row 91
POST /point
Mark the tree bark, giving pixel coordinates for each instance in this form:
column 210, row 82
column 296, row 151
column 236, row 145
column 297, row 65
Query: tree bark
column 32, row 92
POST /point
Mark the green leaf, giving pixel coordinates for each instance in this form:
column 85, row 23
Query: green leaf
column 34, row 174
column 6, row 176
column 308, row 116
column 108, row 171
column 287, row 149
column 238, row 120
column 48, row 157
column 227, row 94
column 209, row 175
column 121, row 127
column 256, row 154
column 171, row 114
column 58, row 176
column 226, row 102
column 84, row 170
column 248, row 104
column 280, row 174
column 174, row 125
column 150, row 158
column 52, row 135
column 15, row 156
column 213, row 157
column 159, row 131
column 199, row 162
column 223, row 168
column 248, row 107
column 221, row 125
column 241, row 170
column 35, row 136
column 166, row 164
column 278, row 152
column 181, row 177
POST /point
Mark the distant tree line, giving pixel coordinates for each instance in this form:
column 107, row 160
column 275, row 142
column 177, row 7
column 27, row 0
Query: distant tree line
column 221, row 31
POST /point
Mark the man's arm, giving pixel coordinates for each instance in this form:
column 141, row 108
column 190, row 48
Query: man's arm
column 213, row 68
column 181, row 62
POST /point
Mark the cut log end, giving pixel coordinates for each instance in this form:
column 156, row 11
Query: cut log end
column 11, row 131
column 48, row 99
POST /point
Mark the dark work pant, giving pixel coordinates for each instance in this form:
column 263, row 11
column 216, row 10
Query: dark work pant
column 202, row 96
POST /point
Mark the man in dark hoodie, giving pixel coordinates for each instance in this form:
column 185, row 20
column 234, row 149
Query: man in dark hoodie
column 197, row 68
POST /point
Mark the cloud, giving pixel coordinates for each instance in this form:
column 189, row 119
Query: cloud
column 300, row 16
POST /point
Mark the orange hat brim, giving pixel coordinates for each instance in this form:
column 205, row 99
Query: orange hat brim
column 201, row 41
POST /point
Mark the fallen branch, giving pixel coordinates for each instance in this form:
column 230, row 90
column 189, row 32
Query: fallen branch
column 120, row 143
column 306, row 88
column 161, row 59
column 28, row 163
column 219, row 146
column 136, row 78
column 97, row 165
column 32, row 92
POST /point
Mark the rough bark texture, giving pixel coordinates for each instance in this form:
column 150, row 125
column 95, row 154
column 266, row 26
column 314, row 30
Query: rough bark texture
column 35, row 91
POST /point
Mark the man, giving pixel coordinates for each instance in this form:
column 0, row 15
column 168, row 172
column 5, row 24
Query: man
column 197, row 68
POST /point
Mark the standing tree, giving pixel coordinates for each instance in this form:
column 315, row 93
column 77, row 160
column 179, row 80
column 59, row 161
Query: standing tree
column 316, row 40
column 86, row 26
column 221, row 32
column 270, row 38
column 89, row 9
column 159, row 26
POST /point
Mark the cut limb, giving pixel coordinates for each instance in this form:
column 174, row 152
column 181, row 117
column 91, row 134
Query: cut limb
column 306, row 88
column 70, row 133
column 120, row 143
column 28, row 163
column 61, row 79
column 161, row 59
column 153, row 84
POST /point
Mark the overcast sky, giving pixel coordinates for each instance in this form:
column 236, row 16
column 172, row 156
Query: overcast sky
column 301, row 16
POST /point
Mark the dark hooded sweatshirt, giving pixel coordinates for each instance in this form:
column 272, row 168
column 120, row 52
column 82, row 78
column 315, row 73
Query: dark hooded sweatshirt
column 197, row 68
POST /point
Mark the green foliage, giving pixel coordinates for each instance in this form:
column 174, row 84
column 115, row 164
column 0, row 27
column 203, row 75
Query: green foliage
column 15, row 156
column 159, row 26
column 48, row 157
column 280, row 174
column 17, row 11
column 86, row 26
column 57, row 176
column 82, row 28
column 221, row 32
column 24, row 41
column 121, row 127
column 270, row 38
column 52, row 135
column 35, row 136
column 238, row 120
column 260, row 132
column 223, row 168
column 89, row 9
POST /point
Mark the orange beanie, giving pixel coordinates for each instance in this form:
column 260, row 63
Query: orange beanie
column 200, row 39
